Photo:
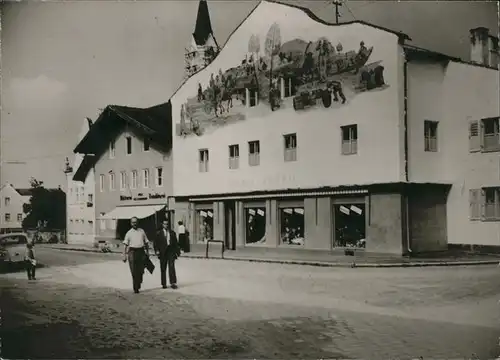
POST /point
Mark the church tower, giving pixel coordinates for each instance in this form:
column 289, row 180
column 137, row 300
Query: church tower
column 203, row 47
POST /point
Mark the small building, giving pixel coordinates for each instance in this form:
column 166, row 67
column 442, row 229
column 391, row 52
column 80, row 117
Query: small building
column 11, row 208
column 310, row 135
column 80, row 211
column 129, row 150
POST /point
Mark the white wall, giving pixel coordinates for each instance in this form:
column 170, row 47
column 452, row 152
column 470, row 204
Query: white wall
column 14, row 208
column 320, row 163
column 471, row 93
column 454, row 95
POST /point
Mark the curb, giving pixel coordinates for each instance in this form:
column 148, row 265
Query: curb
column 318, row 263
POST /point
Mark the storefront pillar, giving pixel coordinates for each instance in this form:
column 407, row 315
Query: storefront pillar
column 318, row 223
column 240, row 225
column 218, row 230
column 272, row 223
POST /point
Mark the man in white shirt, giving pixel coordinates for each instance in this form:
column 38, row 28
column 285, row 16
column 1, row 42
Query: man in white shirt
column 136, row 246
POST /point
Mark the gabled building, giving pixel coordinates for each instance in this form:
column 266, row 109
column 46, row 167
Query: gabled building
column 80, row 211
column 203, row 48
column 307, row 134
column 129, row 150
column 11, row 207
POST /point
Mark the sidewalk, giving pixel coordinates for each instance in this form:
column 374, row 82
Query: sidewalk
column 312, row 257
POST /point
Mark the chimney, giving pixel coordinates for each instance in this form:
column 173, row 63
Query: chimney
column 484, row 47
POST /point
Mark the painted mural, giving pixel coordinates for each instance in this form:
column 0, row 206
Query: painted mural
column 299, row 74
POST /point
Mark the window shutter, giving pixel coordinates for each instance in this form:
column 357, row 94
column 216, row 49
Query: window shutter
column 474, row 206
column 474, row 136
column 481, row 134
column 482, row 197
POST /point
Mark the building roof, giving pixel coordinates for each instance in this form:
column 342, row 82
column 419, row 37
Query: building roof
column 203, row 27
column 154, row 122
column 417, row 53
column 24, row 192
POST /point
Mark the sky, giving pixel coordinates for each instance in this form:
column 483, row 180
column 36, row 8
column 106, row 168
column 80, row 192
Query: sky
column 63, row 61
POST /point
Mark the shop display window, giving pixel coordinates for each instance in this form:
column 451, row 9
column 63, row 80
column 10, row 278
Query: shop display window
column 292, row 225
column 255, row 225
column 205, row 219
column 350, row 225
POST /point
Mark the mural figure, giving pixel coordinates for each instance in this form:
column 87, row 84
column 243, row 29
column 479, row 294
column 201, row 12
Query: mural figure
column 294, row 74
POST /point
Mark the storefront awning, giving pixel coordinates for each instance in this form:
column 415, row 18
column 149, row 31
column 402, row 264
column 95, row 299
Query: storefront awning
column 128, row 212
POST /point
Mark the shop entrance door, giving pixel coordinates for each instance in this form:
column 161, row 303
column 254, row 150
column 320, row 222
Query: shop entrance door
column 230, row 225
column 349, row 221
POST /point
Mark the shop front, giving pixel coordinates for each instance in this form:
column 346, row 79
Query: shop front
column 359, row 219
column 203, row 222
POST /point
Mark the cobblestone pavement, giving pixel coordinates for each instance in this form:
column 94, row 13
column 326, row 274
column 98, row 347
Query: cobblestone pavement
column 250, row 310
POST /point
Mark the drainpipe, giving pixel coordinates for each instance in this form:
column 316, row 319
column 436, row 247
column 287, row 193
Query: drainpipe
column 405, row 124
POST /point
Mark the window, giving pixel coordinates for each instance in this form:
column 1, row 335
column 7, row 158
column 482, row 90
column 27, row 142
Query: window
column 133, row 179
column 145, row 178
column 430, row 135
column 484, row 135
column 292, row 225
column 203, row 165
column 349, row 139
column 234, row 156
column 101, row 186
column 254, row 153
column 19, row 217
column 289, row 89
column 205, row 225
column 255, row 229
column 129, row 145
column 112, row 224
column 252, row 97
column 146, row 144
column 484, row 204
column 90, row 198
column 350, row 225
column 491, row 134
column 112, row 181
column 102, row 222
column 159, row 176
column 7, row 217
column 112, row 150
column 290, row 147
column 492, row 203
column 7, row 201
column 123, row 180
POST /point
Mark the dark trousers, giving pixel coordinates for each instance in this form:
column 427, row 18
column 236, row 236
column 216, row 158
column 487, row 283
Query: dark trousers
column 136, row 257
column 167, row 259
column 183, row 242
column 30, row 270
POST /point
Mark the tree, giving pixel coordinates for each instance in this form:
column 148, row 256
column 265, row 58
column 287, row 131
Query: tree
column 272, row 47
column 46, row 207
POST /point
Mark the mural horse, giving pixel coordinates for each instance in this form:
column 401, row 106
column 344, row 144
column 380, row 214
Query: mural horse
column 219, row 95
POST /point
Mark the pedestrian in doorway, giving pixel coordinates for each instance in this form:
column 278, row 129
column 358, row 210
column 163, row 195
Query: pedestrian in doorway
column 182, row 236
column 135, row 251
column 167, row 249
column 30, row 261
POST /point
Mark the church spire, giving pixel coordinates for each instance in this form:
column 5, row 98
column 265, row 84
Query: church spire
column 203, row 47
column 203, row 27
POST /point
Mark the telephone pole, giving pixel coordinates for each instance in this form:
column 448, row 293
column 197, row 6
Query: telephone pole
column 338, row 4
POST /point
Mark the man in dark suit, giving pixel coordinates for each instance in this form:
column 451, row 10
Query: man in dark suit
column 167, row 249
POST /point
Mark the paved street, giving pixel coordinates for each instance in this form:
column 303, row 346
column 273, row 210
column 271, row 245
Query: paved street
column 82, row 306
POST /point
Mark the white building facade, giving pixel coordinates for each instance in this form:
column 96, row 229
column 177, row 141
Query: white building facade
column 320, row 136
column 80, row 208
column 11, row 208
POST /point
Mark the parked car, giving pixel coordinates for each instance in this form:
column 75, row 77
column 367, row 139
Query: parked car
column 12, row 249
